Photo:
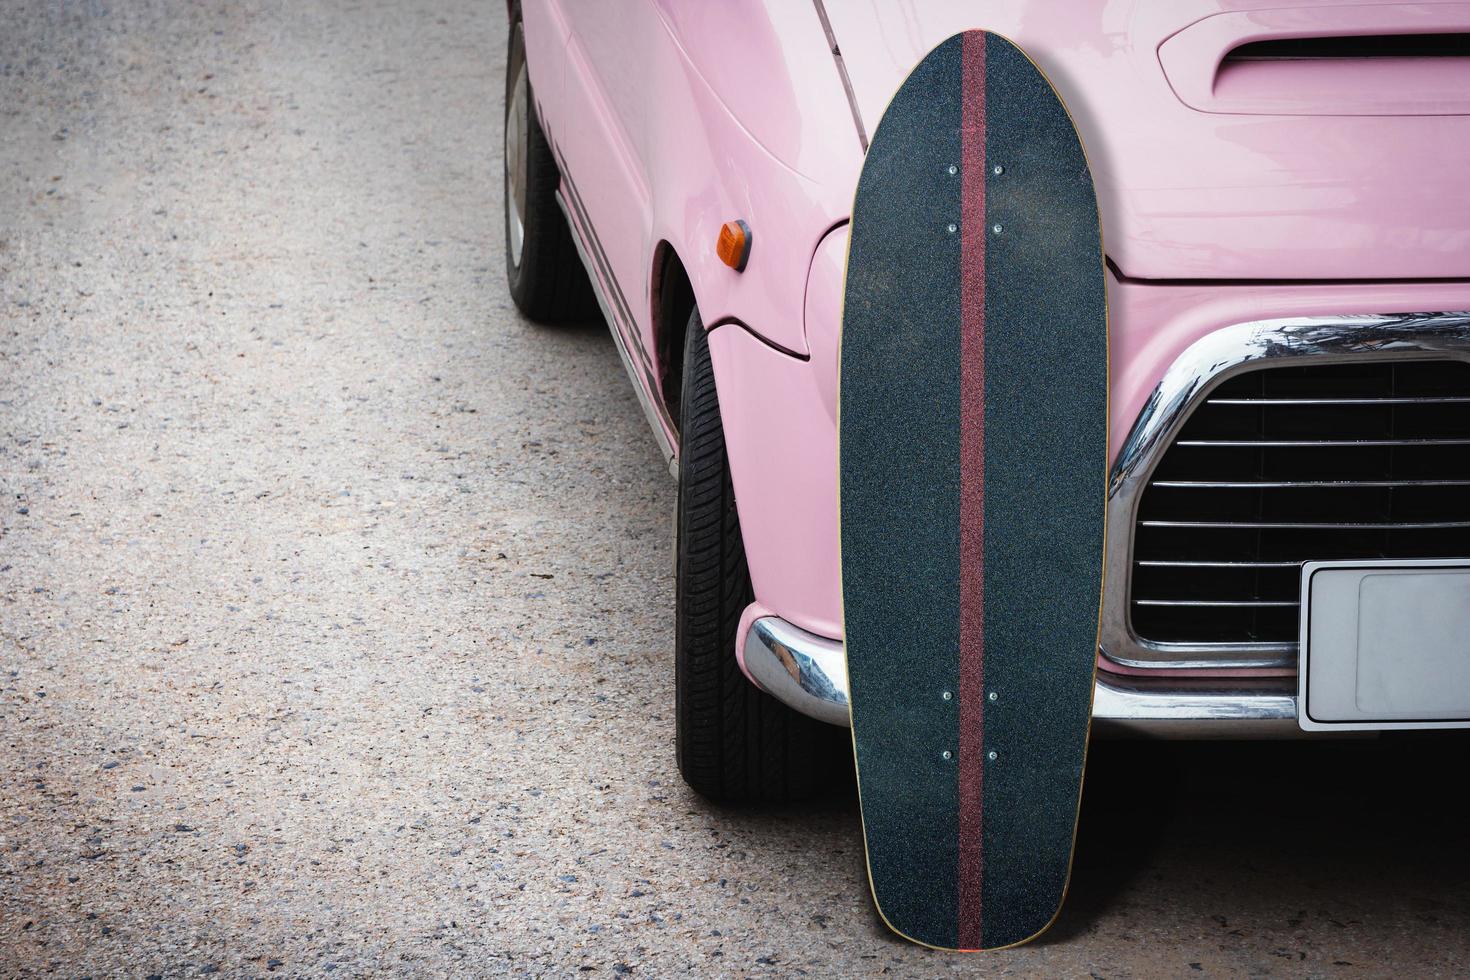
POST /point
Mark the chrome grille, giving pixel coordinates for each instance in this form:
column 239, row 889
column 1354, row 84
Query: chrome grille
column 1281, row 465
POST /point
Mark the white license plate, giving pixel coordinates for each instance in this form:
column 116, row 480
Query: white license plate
column 1384, row 645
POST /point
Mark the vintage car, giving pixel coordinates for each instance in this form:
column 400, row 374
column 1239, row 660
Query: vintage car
column 1285, row 204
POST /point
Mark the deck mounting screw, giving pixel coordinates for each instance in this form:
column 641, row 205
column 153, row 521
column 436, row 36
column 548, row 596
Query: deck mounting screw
column 953, row 170
column 998, row 170
column 952, row 228
column 947, row 754
column 996, row 229
column 946, row 695
column 992, row 755
column 994, row 696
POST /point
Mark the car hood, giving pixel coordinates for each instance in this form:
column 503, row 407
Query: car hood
column 1307, row 157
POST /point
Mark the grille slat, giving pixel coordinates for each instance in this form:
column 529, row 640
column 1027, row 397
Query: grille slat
column 1218, row 603
column 1314, row 443
column 1285, row 465
column 1220, row 564
column 1305, row 526
column 1307, row 484
column 1444, row 400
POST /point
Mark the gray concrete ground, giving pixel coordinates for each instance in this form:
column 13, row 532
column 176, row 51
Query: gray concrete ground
column 334, row 598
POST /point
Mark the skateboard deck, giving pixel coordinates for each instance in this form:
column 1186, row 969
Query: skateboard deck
column 972, row 459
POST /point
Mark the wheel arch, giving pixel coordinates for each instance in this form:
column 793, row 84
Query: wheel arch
column 672, row 300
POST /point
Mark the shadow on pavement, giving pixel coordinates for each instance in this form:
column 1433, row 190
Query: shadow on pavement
column 1256, row 826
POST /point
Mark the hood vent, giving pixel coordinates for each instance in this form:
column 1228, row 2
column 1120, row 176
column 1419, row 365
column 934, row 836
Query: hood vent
column 1326, row 60
column 1364, row 47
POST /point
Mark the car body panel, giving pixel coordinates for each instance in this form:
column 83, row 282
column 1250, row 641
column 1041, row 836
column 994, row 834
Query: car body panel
column 667, row 136
column 783, row 461
column 782, row 441
column 1186, row 194
column 673, row 117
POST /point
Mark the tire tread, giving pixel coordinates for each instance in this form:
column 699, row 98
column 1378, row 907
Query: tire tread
column 736, row 744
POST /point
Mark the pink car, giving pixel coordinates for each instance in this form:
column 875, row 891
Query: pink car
column 1285, row 200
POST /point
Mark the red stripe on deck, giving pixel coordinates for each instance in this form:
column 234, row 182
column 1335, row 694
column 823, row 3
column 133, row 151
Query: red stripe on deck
column 972, row 486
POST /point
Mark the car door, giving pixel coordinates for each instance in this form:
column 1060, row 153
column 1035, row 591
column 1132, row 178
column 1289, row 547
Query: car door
column 609, row 93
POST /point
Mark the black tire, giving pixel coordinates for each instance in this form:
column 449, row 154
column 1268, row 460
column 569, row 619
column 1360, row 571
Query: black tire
column 544, row 272
column 735, row 743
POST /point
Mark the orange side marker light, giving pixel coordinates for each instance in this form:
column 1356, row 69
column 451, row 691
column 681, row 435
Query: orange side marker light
column 733, row 248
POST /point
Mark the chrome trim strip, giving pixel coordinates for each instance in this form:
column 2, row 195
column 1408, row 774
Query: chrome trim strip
column 857, row 116
column 578, row 220
column 809, row 673
column 1207, row 363
column 1178, row 709
column 653, row 412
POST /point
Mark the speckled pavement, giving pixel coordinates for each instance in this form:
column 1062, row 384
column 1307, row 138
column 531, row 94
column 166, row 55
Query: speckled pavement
column 335, row 599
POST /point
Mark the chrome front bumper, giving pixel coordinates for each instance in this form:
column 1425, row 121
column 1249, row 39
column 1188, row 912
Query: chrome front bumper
column 1211, row 360
column 809, row 673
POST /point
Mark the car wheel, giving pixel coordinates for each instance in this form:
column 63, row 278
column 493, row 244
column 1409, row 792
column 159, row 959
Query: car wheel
column 546, row 277
column 735, row 743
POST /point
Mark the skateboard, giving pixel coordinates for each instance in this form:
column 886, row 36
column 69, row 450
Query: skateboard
column 972, row 468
